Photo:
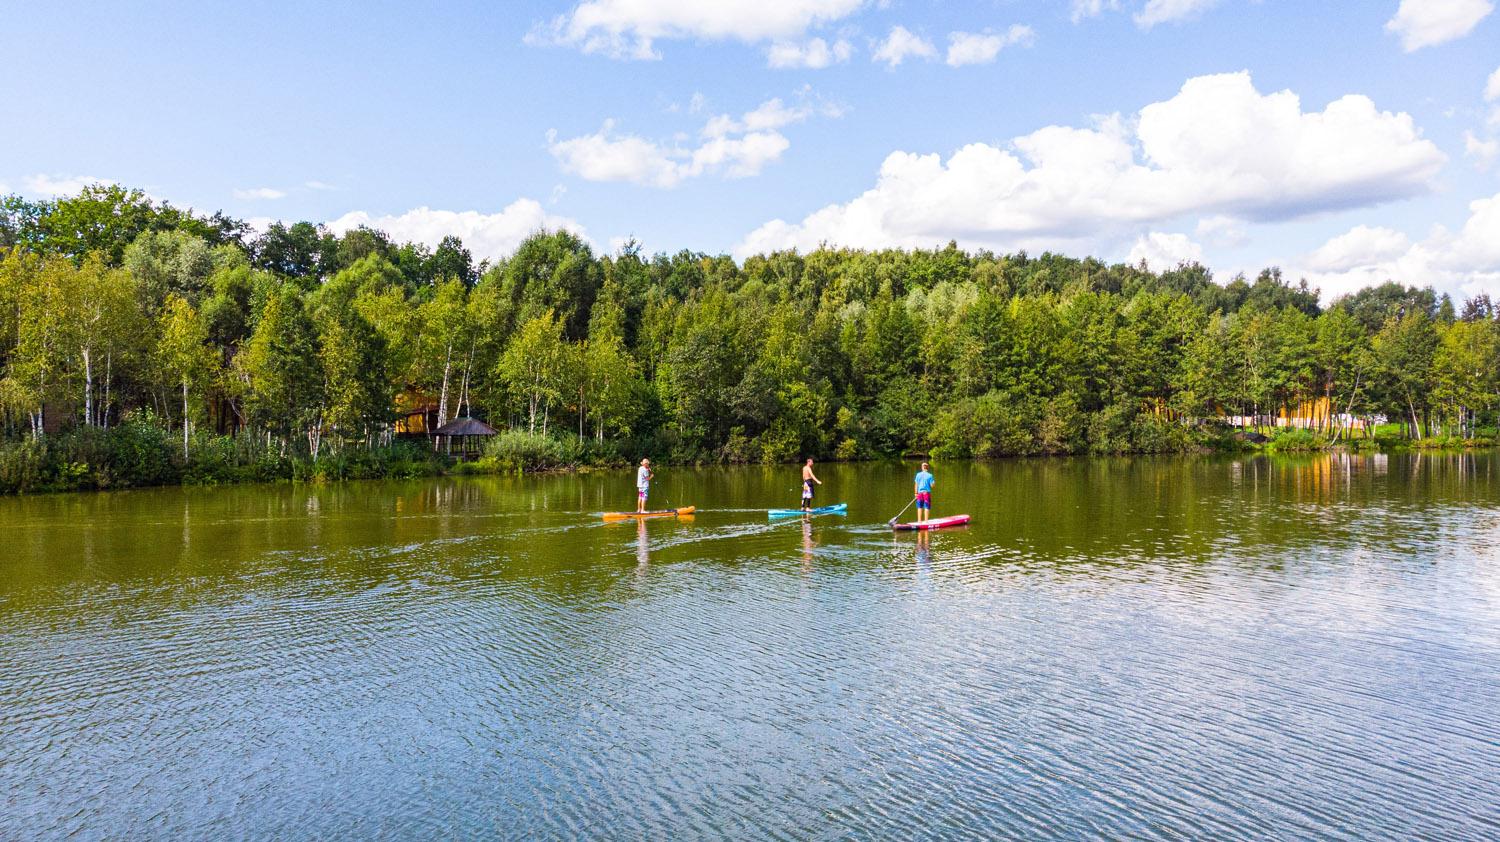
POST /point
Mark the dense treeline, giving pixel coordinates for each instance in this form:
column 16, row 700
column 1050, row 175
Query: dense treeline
column 118, row 312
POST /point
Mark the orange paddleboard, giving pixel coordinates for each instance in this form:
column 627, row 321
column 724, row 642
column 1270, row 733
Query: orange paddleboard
column 684, row 512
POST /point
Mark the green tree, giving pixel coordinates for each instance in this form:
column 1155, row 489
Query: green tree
column 444, row 342
column 279, row 368
column 532, row 367
column 185, row 355
column 554, row 271
column 104, row 324
column 1403, row 350
column 1342, row 355
column 167, row 263
column 1466, row 371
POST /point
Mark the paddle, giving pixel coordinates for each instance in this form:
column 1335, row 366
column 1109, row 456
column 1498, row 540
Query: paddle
column 902, row 512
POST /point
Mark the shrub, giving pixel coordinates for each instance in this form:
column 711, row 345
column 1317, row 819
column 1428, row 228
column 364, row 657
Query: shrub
column 1109, row 429
column 1297, row 441
column 516, row 450
column 23, row 466
column 1155, row 434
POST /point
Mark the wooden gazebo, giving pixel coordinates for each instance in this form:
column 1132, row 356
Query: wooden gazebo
column 470, row 432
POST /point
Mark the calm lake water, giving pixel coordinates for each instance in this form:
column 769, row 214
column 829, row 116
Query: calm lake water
column 1153, row 648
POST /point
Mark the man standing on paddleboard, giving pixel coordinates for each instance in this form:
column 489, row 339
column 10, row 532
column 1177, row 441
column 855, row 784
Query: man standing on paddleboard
column 808, row 478
column 923, row 488
column 642, row 484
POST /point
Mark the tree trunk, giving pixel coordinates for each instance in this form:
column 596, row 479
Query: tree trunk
column 88, row 388
column 468, row 367
column 109, row 358
column 443, row 399
column 185, row 422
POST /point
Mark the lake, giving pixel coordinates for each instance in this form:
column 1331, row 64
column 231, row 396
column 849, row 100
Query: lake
column 1149, row 647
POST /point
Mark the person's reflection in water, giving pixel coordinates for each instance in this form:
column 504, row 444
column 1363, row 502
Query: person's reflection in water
column 642, row 548
column 808, row 545
column 924, row 553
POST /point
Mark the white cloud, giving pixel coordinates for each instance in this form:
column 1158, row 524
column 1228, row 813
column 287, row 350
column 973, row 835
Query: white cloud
column 490, row 235
column 732, row 147
column 1426, row 23
column 1092, row 8
column 1492, row 87
column 1222, row 231
column 604, row 156
column 318, row 185
column 1464, row 263
column 1164, row 251
column 1171, row 11
column 737, row 157
column 54, row 186
column 814, row 54
column 260, row 224
column 775, row 114
column 1217, row 147
column 630, row 28
column 1361, row 244
column 982, row 47
column 1484, row 152
column 902, row 44
column 256, row 193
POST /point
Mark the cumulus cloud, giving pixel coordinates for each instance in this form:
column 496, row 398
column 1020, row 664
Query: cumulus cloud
column 318, row 185
column 813, row 54
column 901, row 45
column 257, row 193
column 982, row 47
column 734, row 147
column 1492, row 87
column 1484, row 152
column 1426, row 23
column 606, row 156
column 1218, row 147
column 1170, row 11
column 487, row 235
column 1360, row 245
column 43, row 184
column 1092, row 8
column 1222, row 231
column 1464, row 263
column 630, row 28
column 1161, row 251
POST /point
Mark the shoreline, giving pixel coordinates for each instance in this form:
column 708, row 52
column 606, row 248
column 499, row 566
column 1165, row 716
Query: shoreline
column 315, row 473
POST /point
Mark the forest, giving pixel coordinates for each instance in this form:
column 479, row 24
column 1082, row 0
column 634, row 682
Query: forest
column 141, row 343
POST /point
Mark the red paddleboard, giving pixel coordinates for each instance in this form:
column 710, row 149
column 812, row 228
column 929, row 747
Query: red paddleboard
column 935, row 523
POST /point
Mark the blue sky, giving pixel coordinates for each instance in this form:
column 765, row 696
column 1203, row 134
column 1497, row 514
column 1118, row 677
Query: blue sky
column 487, row 121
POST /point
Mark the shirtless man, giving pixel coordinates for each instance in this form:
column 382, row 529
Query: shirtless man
column 808, row 478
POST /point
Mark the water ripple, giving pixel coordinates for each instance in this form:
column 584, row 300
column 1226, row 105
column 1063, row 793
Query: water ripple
column 1158, row 667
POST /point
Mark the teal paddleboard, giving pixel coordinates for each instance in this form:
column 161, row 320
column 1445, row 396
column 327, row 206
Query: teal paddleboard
column 835, row 509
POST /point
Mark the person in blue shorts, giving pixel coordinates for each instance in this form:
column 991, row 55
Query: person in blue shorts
column 923, row 488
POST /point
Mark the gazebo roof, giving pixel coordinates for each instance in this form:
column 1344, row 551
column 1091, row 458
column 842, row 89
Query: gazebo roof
column 465, row 427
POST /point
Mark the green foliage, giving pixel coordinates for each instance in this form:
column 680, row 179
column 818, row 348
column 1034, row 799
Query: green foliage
column 291, row 356
column 518, row 450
